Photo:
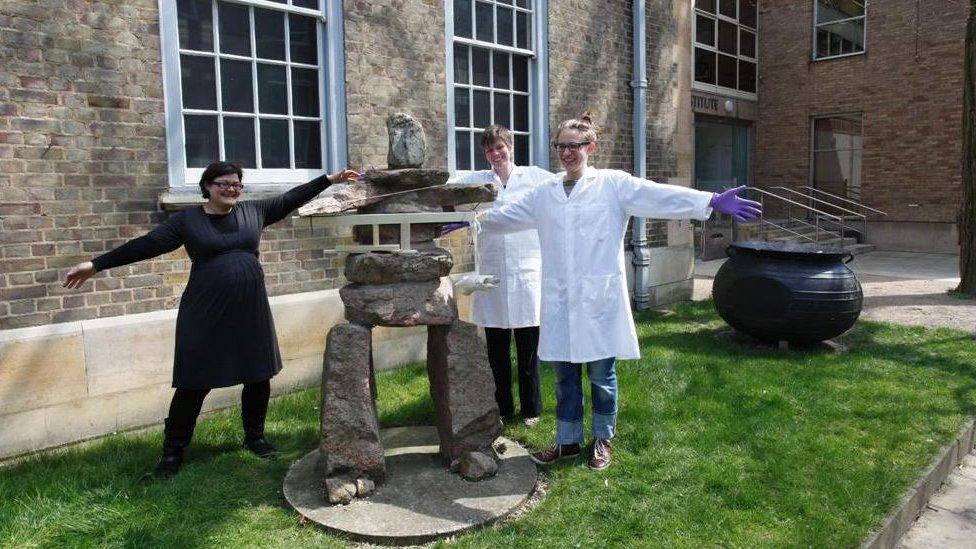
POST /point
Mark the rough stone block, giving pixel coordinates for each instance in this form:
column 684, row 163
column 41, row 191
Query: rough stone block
column 408, row 144
column 462, row 388
column 408, row 266
column 350, row 442
column 400, row 304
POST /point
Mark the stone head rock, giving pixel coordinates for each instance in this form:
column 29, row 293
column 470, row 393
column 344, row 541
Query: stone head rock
column 407, row 141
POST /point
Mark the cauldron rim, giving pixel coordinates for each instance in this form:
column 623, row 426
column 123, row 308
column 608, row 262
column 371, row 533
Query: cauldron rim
column 789, row 250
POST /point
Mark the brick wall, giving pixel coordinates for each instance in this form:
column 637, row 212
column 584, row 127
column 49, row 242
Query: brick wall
column 908, row 86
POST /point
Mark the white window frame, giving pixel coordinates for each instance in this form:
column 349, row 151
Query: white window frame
column 538, row 82
column 812, row 177
column 715, row 88
column 332, row 107
column 864, row 33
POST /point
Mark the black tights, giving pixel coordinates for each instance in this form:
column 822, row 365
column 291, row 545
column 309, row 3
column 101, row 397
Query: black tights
column 186, row 404
column 499, row 342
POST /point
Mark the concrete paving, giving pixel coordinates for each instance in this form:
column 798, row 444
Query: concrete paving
column 420, row 500
column 910, row 288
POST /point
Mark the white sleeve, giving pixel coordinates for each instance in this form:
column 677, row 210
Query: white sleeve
column 512, row 217
column 644, row 198
column 479, row 176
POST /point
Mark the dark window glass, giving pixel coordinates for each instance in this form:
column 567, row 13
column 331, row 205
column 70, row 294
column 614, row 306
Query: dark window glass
column 726, row 71
column 727, row 8
column 835, row 44
column 509, row 2
column 462, row 107
column 727, row 37
column 500, row 68
column 239, row 141
column 823, row 43
column 505, row 29
column 747, row 76
column 521, row 113
column 274, row 144
column 843, row 37
column 520, row 73
column 235, row 28
column 462, row 150
column 484, row 21
column 195, row 21
column 461, row 75
column 269, row 33
column 523, row 3
column 522, row 150
column 704, row 66
column 310, row 4
column 747, row 43
column 747, row 12
column 304, row 92
column 198, row 79
column 523, row 31
column 503, row 106
column 480, row 162
column 201, row 140
column 482, row 108
column 304, row 43
column 236, row 88
column 479, row 66
column 705, row 30
column 462, row 18
column 272, row 89
column 308, row 145
column 833, row 10
column 706, row 5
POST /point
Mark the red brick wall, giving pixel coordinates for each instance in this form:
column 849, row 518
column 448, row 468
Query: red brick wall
column 908, row 85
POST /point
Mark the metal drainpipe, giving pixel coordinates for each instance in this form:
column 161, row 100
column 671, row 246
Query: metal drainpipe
column 641, row 253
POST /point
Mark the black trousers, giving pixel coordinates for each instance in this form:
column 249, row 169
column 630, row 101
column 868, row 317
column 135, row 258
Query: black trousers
column 185, row 408
column 499, row 342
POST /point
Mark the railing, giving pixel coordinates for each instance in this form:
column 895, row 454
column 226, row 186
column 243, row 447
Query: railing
column 816, row 215
column 858, row 217
column 854, row 203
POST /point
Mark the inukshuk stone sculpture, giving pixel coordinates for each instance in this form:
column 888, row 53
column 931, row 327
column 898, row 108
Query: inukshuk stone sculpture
column 404, row 288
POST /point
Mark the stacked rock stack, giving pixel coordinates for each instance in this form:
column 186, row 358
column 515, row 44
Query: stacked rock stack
column 403, row 288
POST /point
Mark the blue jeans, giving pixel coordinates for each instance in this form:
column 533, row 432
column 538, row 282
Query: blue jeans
column 569, row 399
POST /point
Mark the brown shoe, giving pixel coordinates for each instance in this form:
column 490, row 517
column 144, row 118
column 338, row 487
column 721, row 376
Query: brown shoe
column 601, row 454
column 555, row 453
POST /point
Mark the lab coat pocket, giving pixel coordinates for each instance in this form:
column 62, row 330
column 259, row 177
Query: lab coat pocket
column 593, row 222
column 598, row 296
column 554, row 299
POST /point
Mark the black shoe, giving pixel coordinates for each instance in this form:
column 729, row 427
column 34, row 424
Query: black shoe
column 168, row 466
column 261, row 448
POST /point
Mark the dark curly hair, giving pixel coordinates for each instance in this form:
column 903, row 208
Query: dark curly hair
column 215, row 170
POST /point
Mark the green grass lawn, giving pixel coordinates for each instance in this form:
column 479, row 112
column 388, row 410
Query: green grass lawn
column 718, row 445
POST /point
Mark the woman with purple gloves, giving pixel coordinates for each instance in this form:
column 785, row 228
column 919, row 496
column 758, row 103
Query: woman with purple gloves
column 581, row 216
column 513, row 260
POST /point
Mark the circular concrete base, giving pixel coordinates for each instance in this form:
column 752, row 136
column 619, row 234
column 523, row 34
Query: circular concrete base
column 420, row 500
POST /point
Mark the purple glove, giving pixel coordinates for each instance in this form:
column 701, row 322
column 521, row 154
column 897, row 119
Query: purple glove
column 451, row 227
column 741, row 209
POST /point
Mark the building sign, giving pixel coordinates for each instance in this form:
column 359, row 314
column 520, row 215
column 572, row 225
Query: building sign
column 707, row 104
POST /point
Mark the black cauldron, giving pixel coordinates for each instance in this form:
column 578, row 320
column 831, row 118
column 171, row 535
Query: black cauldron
column 775, row 291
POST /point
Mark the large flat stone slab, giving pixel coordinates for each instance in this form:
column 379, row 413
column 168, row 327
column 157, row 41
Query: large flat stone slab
column 421, row 500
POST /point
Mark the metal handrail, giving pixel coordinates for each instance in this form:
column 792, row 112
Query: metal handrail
column 818, row 214
column 792, row 232
column 842, row 199
column 831, row 204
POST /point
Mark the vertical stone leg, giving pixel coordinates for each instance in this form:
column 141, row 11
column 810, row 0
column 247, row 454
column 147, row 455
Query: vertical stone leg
column 350, row 443
column 462, row 388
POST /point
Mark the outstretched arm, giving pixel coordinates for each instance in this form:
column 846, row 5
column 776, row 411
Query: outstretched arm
column 643, row 198
column 512, row 217
column 728, row 202
column 277, row 207
column 163, row 239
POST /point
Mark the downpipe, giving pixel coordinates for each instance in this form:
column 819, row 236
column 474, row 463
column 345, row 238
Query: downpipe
column 641, row 261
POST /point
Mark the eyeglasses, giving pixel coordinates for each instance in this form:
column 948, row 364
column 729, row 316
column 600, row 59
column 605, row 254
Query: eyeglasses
column 225, row 186
column 560, row 147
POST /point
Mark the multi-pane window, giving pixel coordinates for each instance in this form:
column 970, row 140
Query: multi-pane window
column 250, row 77
column 725, row 45
column 837, row 143
column 492, row 57
column 838, row 27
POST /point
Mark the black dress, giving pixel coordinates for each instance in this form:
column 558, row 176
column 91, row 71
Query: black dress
column 225, row 333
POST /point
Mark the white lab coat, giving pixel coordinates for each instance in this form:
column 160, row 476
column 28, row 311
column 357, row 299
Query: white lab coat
column 585, row 306
column 514, row 257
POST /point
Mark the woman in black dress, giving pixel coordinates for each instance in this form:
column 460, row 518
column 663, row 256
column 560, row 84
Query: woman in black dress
column 225, row 333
